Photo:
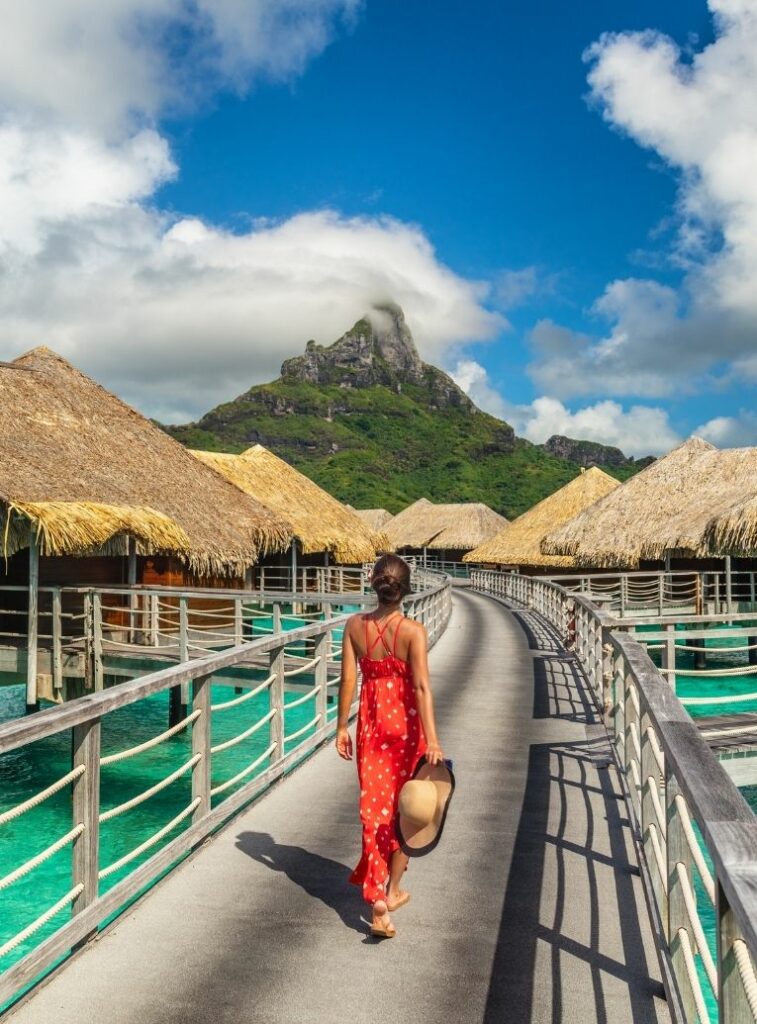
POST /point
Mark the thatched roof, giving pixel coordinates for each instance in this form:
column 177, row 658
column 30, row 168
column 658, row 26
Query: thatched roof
column 319, row 521
column 376, row 518
column 519, row 543
column 458, row 527
column 65, row 439
column 81, row 527
column 693, row 502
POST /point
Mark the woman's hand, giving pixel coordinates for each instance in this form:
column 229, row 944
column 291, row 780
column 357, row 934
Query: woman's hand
column 344, row 743
column 434, row 754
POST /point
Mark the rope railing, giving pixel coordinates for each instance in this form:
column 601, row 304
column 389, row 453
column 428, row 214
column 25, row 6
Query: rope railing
column 135, row 801
column 670, row 778
column 122, row 755
column 40, row 858
column 149, row 843
column 227, row 744
column 236, row 701
column 45, row 794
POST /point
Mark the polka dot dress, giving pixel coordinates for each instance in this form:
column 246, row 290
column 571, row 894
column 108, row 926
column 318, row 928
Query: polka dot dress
column 389, row 743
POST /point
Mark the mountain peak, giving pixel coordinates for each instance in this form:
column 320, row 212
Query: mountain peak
column 378, row 349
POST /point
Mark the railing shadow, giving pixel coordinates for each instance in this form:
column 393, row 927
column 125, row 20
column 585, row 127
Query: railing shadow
column 561, row 854
column 320, row 877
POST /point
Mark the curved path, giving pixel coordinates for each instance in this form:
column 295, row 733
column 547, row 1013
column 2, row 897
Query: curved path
column 530, row 910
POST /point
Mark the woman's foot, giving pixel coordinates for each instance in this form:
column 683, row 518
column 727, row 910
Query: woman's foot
column 397, row 898
column 382, row 926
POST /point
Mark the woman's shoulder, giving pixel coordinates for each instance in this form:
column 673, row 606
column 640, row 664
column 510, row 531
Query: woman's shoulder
column 413, row 627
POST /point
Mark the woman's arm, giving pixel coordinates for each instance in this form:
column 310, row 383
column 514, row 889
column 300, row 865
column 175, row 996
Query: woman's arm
column 422, row 684
column 347, row 681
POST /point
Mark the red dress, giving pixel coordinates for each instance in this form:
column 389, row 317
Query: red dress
column 390, row 741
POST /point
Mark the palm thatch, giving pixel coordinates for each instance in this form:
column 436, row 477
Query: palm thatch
column 82, row 527
column 454, row 527
column 375, row 518
column 64, row 438
column 692, row 503
column 319, row 521
column 519, row 543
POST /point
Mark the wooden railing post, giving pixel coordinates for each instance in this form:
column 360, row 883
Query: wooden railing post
column 321, row 651
column 201, row 743
column 669, row 656
column 154, row 620
column 678, row 852
column 732, row 998
column 184, row 651
column 276, row 700
column 85, row 744
column 277, row 617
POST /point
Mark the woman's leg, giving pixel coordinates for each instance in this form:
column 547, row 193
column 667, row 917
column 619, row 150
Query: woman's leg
column 397, row 867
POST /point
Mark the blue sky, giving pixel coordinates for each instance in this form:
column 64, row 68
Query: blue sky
column 569, row 233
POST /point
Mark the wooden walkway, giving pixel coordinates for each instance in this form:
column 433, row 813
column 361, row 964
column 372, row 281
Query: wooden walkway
column 530, row 910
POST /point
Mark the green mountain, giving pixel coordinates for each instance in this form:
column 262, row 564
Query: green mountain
column 374, row 425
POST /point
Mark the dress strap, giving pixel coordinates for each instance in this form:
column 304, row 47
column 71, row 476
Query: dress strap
column 371, row 647
column 396, row 634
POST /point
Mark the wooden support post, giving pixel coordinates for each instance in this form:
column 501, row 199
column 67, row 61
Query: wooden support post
column 293, row 555
column 57, row 641
column 700, row 656
column 276, row 701
column 249, row 578
column 176, row 710
column 85, row 746
column 32, row 629
column 728, row 584
column 277, row 617
column 660, row 593
column 184, row 651
column 97, row 640
column 752, row 642
column 326, row 613
column 201, row 742
column 154, row 620
column 131, row 580
column 669, row 656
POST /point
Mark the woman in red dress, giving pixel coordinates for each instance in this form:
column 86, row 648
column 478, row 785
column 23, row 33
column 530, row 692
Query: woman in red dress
column 395, row 728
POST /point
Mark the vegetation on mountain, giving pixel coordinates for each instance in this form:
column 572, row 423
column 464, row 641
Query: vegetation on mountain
column 370, row 422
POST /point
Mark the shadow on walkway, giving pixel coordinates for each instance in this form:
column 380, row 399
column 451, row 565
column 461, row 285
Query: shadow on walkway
column 571, row 906
column 321, row 878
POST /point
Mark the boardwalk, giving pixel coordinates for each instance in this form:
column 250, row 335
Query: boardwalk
column 531, row 910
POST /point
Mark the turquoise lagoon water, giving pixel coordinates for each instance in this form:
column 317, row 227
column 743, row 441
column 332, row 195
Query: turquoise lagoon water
column 26, row 771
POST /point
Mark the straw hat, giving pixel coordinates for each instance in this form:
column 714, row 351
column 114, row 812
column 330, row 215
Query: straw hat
column 422, row 809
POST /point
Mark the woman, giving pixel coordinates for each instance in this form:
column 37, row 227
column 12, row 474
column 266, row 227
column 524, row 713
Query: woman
column 392, row 654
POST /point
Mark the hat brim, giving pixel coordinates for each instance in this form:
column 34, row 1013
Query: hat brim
column 417, row 841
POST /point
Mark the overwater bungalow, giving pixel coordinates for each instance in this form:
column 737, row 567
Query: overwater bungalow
column 518, row 545
column 693, row 509
column 375, row 518
column 448, row 531
column 325, row 531
column 89, row 472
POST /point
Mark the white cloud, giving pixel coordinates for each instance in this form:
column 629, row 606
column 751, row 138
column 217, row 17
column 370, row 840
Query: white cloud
column 699, row 115
column 101, row 64
column 730, row 431
column 177, row 317
column 474, row 380
column 173, row 313
column 639, row 430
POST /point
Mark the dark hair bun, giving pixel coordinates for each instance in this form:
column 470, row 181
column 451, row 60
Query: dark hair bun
column 391, row 579
column 388, row 589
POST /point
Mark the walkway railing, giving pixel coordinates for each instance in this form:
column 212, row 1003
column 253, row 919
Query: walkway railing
column 631, row 593
column 696, row 833
column 309, row 654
